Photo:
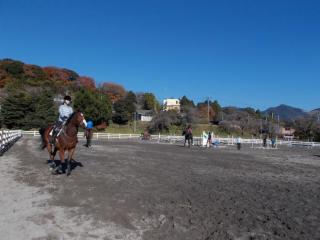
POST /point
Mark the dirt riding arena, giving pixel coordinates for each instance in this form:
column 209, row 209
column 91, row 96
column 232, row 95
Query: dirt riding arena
column 139, row 190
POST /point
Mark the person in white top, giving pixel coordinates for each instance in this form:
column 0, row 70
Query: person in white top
column 239, row 142
column 65, row 111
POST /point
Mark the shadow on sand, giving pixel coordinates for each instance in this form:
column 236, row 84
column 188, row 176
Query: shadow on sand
column 55, row 163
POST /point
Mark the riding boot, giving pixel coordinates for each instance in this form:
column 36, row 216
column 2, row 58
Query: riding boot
column 53, row 137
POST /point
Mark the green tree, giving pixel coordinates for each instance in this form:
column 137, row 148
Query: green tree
column 216, row 108
column 93, row 105
column 15, row 107
column 186, row 104
column 149, row 101
column 23, row 110
column 131, row 101
column 43, row 110
column 125, row 108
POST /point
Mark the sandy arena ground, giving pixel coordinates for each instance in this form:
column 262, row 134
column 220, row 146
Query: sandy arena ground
column 135, row 190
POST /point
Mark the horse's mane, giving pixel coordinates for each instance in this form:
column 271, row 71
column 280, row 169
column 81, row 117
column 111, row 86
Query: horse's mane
column 71, row 116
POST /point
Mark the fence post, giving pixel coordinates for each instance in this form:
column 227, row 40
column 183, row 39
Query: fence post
column 252, row 141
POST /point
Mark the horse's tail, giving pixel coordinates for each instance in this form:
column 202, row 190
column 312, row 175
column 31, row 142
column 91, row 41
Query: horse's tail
column 43, row 142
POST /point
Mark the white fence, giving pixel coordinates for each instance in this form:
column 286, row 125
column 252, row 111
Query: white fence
column 197, row 140
column 7, row 139
column 110, row 136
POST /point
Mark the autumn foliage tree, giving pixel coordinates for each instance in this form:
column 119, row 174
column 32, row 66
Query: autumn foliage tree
column 114, row 91
column 87, row 82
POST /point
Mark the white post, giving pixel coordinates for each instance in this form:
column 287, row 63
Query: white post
column 252, row 141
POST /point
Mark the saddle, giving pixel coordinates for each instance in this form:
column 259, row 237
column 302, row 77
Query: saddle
column 57, row 129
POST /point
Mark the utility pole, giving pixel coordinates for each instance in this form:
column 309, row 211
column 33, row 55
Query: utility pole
column 260, row 127
column 208, row 110
column 134, row 122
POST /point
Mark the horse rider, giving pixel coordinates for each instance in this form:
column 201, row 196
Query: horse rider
column 88, row 132
column 65, row 111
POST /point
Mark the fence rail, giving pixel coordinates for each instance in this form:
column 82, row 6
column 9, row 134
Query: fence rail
column 198, row 140
column 7, row 139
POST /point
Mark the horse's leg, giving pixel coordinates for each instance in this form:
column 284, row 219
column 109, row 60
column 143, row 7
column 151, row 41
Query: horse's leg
column 60, row 168
column 70, row 155
column 89, row 140
column 52, row 157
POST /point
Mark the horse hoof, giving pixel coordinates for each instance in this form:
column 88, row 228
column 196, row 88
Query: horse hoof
column 52, row 165
column 53, row 171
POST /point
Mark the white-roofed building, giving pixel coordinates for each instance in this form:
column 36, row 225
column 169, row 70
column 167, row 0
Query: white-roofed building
column 171, row 104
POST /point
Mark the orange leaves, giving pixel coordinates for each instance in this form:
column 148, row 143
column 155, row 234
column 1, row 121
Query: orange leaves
column 114, row 91
column 87, row 82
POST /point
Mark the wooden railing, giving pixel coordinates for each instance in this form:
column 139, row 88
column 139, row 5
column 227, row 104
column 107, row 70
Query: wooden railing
column 7, row 139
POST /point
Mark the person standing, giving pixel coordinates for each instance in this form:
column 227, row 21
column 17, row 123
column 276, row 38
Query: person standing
column 89, row 132
column 189, row 136
column 239, row 142
column 273, row 142
column 209, row 141
column 265, row 141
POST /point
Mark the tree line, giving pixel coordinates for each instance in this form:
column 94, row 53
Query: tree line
column 29, row 98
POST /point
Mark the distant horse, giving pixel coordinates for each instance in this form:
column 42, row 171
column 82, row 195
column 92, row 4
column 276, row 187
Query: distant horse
column 188, row 137
column 101, row 126
column 66, row 141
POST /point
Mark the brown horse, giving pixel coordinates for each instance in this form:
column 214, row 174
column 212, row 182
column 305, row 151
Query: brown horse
column 66, row 141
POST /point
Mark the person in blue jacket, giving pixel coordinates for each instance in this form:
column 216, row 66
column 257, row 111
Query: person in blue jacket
column 89, row 132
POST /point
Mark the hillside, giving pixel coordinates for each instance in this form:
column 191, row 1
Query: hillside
column 285, row 112
column 18, row 75
column 315, row 112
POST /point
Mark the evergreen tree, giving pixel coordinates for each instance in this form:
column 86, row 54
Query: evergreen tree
column 186, row 102
column 95, row 106
column 23, row 110
column 125, row 108
column 15, row 107
column 149, row 101
column 45, row 112
column 216, row 108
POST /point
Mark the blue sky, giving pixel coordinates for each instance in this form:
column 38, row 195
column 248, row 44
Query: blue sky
column 240, row 52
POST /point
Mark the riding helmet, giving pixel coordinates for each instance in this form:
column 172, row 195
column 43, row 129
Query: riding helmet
column 67, row 98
